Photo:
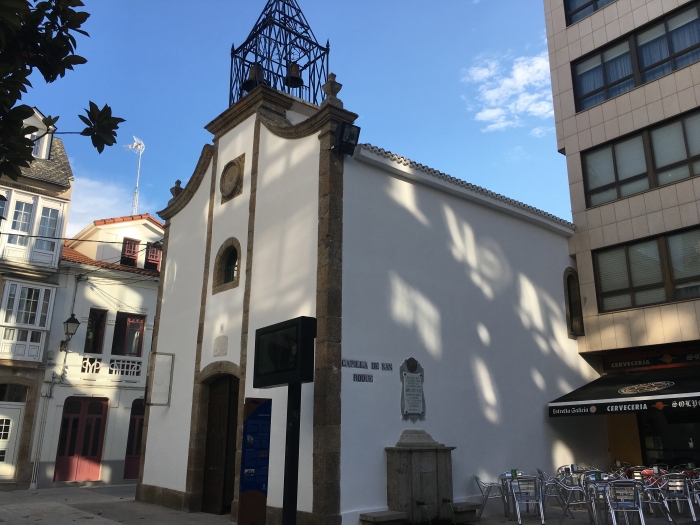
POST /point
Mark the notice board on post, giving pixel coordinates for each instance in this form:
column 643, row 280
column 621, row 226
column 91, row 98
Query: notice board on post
column 255, row 460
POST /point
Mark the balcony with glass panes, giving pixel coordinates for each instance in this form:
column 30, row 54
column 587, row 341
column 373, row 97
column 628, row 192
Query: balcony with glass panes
column 26, row 318
column 30, row 230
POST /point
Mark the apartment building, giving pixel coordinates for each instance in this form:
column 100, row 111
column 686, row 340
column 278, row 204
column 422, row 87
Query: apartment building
column 33, row 210
column 626, row 92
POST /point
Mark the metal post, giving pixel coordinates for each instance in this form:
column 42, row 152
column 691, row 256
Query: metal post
column 291, row 455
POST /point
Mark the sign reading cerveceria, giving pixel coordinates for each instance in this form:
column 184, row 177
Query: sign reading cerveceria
column 622, row 406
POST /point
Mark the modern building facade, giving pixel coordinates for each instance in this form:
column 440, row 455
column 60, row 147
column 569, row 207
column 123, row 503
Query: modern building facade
column 34, row 210
column 626, row 92
column 407, row 271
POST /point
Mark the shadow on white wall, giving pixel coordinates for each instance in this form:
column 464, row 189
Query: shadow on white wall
column 488, row 394
column 411, row 308
column 487, row 266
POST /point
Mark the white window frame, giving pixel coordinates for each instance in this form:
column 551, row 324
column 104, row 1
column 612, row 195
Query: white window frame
column 31, row 253
column 11, row 347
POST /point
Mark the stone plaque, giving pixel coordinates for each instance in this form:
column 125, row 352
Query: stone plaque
column 220, row 346
column 162, row 379
column 412, row 393
column 412, row 397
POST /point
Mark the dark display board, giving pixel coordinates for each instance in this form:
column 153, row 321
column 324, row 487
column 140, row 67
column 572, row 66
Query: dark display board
column 284, row 353
column 255, row 461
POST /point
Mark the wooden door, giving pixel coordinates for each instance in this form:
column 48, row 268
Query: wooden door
column 220, row 451
column 80, row 440
column 132, row 460
column 10, row 424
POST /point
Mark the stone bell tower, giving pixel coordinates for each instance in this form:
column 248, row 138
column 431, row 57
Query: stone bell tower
column 281, row 52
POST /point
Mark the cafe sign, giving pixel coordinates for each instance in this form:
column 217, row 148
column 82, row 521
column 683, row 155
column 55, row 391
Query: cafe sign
column 619, row 406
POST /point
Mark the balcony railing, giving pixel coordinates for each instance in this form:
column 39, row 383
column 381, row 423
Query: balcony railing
column 107, row 370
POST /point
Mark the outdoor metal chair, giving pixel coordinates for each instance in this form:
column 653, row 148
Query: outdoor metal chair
column 486, row 488
column 550, row 489
column 676, row 487
column 569, row 493
column 695, row 489
column 635, row 473
column 594, row 482
column 625, row 496
column 654, row 494
column 526, row 490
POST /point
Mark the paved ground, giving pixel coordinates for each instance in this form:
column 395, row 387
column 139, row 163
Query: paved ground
column 104, row 505
column 108, row 505
column 553, row 516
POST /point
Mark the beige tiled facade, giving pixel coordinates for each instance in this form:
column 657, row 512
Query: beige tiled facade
column 649, row 213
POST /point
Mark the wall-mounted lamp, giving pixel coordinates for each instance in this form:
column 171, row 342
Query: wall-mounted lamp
column 346, row 139
column 70, row 326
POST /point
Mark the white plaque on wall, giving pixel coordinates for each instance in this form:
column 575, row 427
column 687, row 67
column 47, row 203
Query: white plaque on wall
column 220, row 346
column 412, row 396
column 162, row 379
column 413, row 393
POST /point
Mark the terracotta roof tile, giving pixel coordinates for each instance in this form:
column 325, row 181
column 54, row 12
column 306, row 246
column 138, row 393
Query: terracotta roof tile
column 127, row 218
column 464, row 184
column 70, row 255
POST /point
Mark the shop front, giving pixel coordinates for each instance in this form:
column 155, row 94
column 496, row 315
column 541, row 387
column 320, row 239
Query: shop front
column 651, row 400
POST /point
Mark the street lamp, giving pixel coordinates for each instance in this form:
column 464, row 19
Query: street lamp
column 70, row 326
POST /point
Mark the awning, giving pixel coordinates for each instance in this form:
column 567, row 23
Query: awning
column 663, row 389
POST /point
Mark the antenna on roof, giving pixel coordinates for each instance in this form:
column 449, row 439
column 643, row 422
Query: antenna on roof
column 137, row 147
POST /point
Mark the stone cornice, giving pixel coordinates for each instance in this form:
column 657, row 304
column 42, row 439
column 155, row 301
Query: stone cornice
column 326, row 115
column 261, row 96
column 179, row 202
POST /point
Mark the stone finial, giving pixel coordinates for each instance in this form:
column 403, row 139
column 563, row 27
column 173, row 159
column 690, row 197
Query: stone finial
column 331, row 88
column 176, row 190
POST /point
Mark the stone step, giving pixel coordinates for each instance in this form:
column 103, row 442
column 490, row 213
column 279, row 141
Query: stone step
column 385, row 517
column 465, row 512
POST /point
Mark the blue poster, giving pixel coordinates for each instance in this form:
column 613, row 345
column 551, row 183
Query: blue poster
column 256, row 446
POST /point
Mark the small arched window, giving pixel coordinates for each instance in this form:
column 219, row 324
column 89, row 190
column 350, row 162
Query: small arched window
column 231, row 266
column 574, row 312
column 227, row 266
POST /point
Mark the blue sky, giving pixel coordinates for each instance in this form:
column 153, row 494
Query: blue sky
column 461, row 86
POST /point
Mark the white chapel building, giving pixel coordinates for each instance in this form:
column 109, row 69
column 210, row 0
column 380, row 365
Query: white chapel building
column 399, row 264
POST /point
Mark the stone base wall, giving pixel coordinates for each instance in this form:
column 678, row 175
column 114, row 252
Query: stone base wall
column 172, row 499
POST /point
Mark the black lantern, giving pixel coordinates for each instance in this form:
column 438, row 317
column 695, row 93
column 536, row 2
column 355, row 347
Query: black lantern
column 346, row 138
column 70, row 326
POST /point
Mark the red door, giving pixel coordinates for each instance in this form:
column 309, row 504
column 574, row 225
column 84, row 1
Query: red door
column 132, row 461
column 80, row 441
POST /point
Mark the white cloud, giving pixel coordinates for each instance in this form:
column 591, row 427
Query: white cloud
column 94, row 199
column 507, row 96
column 517, row 153
column 540, row 131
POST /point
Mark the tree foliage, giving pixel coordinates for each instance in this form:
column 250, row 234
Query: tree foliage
column 39, row 35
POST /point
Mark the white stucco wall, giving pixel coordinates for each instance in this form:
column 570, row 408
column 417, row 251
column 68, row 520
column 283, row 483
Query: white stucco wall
column 112, row 235
column 169, row 427
column 224, row 311
column 476, row 296
column 283, row 282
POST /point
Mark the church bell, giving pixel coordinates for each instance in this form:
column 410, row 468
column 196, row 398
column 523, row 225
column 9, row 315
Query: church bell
column 255, row 78
column 293, row 78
